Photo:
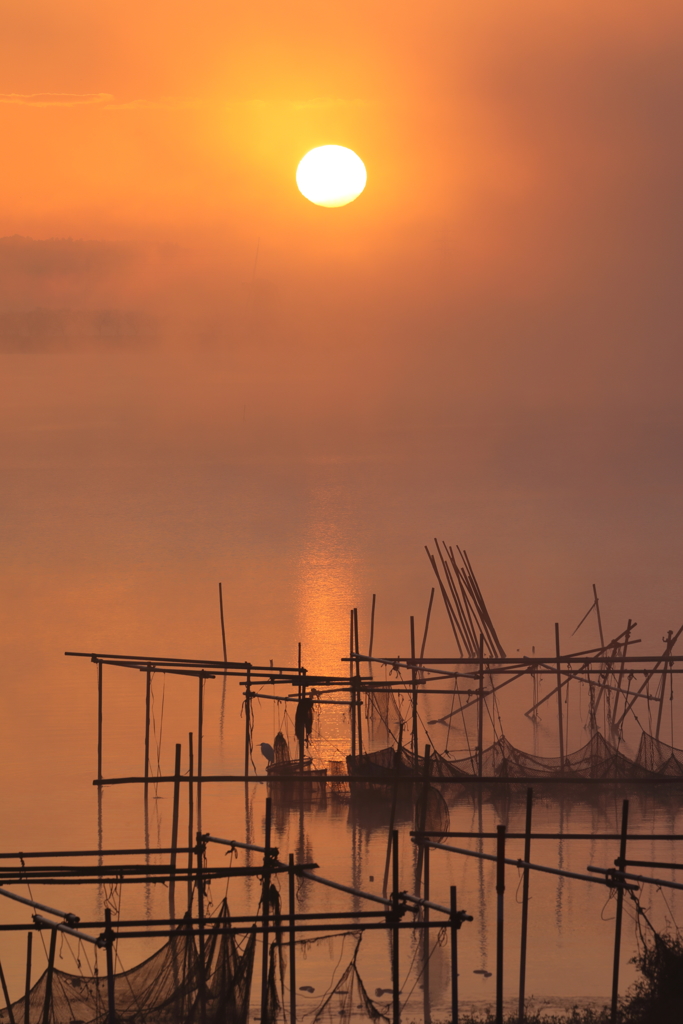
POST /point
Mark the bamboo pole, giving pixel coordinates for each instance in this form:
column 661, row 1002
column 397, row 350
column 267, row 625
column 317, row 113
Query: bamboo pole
column 413, row 673
column 200, row 750
column 500, row 921
column 174, row 832
column 480, row 716
column 5, row 992
column 619, row 914
column 99, row 719
column 422, row 823
column 559, row 696
column 352, row 687
column 265, row 898
column 426, row 1007
column 148, row 704
column 454, row 956
column 398, row 758
column 47, row 1003
column 525, row 907
column 27, row 988
column 292, row 942
column 395, row 978
column 190, row 819
column 247, row 725
column 358, row 683
column 111, row 992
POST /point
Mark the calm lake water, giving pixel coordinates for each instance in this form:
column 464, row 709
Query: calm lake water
column 133, row 485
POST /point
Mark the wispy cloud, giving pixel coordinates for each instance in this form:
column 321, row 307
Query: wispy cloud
column 55, row 99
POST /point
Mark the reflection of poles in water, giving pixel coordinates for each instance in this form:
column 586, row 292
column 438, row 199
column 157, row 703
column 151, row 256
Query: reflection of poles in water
column 225, row 658
column 482, row 894
column 148, row 886
column 398, row 757
column 525, row 904
column 421, row 824
column 560, row 861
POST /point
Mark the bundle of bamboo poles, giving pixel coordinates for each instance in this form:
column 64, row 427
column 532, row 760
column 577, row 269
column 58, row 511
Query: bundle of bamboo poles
column 464, row 602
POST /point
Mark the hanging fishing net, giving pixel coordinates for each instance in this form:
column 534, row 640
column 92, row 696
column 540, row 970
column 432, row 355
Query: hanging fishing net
column 596, row 759
column 431, row 812
column 659, row 757
column 173, row 986
column 343, row 999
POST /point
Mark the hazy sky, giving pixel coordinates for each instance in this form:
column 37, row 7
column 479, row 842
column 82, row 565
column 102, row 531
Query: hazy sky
column 487, row 341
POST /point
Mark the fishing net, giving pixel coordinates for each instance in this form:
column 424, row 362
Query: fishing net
column 658, row 757
column 346, row 998
column 170, row 987
column 431, row 812
column 596, row 759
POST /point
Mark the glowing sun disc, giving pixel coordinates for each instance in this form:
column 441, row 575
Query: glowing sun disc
column 331, row 176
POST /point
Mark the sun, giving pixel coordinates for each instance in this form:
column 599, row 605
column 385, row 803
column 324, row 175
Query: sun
column 331, row 176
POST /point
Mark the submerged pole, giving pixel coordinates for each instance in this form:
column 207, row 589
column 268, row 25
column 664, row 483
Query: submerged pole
column 292, row 943
column 525, row 906
column 454, row 955
column 500, row 891
column 620, row 910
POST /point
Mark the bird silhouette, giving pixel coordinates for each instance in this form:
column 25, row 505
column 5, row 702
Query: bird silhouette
column 268, row 752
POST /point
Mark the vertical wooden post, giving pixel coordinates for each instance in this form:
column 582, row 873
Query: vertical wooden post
column 292, row 943
column 454, row 956
column 247, row 720
column 359, row 703
column 265, row 897
column 220, row 603
column 413, row 672
column 398, row 758
column 200, row 750
column 174, row 833
column 426, row 1008
column 597, row 612
column 480, row 718
column 99, row 721
column 111, row 993
column 559, row 696
column 190, row 820
column 148, row 706
column 47, row 1004
column 395, row 979
column 500, row 891
column 27, row 989
column 620, row 910
column 525, row 907
column 200, row 922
